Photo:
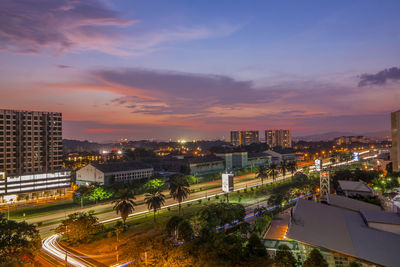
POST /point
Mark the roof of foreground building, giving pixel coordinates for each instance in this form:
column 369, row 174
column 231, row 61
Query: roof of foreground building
column 343, row 231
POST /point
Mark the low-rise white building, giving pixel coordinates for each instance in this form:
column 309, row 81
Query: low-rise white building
column 122, row 172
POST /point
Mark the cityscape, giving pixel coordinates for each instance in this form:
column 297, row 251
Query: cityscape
column 200, row 133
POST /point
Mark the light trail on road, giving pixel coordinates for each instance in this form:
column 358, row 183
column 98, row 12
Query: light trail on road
column 51, row 246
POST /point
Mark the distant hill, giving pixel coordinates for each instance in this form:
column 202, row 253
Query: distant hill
column 331, row 135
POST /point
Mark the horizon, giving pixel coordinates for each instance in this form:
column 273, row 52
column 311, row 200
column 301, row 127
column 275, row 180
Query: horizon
column 198, row 70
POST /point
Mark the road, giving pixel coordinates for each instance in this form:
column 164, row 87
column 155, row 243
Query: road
column 108, row 215
column 51, row 246
column 139, row 209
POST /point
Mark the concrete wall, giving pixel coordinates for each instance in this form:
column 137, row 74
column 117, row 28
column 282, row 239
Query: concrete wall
column 259, row 161
column 239, row 160
column 206, row 167
column 227, row 157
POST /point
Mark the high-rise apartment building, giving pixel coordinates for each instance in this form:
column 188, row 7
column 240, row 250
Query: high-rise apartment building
column 244, row 138
column 282, row 138
column 31, row 152
column 395, row 152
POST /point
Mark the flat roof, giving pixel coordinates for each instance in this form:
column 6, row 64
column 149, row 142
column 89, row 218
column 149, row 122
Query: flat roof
column 354, row 186
column 351, row 204
column 343, row 231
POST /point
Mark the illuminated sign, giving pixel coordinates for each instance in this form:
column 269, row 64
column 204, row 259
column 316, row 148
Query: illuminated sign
column 10, row 198
column 227, row 182
column 356, row 156
column 318, row 165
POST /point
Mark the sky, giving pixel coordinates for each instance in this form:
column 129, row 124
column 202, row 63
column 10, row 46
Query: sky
column 199, row 69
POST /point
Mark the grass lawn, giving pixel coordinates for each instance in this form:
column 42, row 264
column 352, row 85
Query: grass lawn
column 42, row 209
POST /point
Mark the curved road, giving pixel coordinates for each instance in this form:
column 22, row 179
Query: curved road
column 51, row 246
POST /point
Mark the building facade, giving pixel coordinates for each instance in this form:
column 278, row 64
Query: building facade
column 395, row 152
column 281, row 138
column 31, row 152
column 206, row 165
column 108, row 173
column 244, row 138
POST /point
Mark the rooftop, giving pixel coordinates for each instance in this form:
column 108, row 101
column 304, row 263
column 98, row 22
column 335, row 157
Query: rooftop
column 258, row 155
column 210, row 158
column 381, row 217
column 351, row 204
column 121, row 166
column 359, row 186
column 343, row 231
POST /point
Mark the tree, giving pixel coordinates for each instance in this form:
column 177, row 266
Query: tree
column 284, row 166
column 99, row 193
column 124, row 205
column 292, row 167
column 256, row 247
column 184, row 231
column 154, row 185
column 273, row 167
column 18, row 242
column 82, row 192
column 284, row 257
column 172, row 226
column 315, row 259
column 79, row 226
column 262, row 173
column 179, row 188
column 154, row 201
column 354, row 264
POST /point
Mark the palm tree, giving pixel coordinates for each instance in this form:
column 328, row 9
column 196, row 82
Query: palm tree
column 124, row 205
column 154, row 201
column 179, row 189
column 284, row 166
column 292, row 167
column 262, row 173
column 273, row 168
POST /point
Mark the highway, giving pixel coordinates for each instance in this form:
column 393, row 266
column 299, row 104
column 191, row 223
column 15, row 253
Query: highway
column 52, row 248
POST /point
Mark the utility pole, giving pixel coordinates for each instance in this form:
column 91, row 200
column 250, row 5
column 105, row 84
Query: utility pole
column 145, row 257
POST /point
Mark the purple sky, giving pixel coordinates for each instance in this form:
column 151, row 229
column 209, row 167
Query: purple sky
column 174, row 69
